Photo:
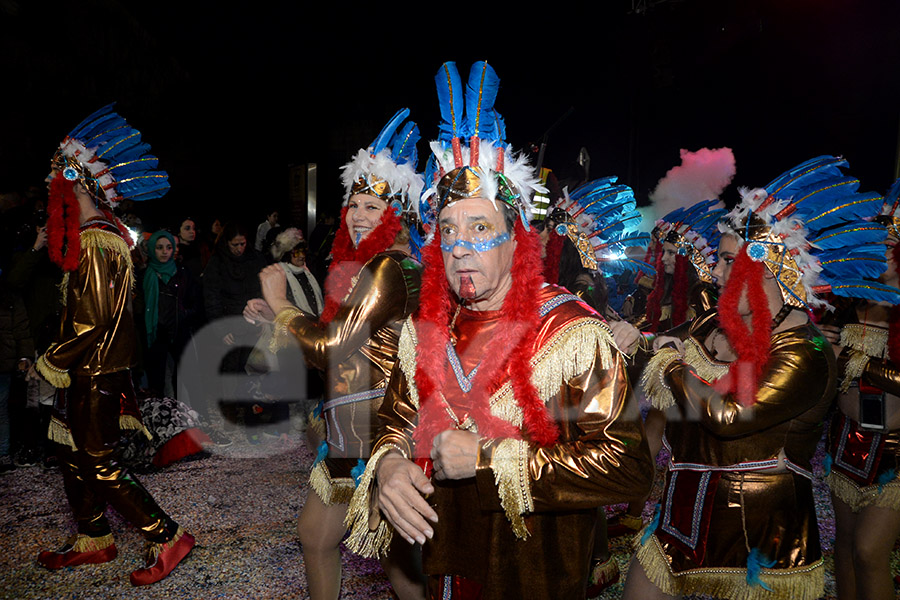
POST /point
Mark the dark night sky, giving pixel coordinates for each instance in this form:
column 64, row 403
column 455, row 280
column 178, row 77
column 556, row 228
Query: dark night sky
column 229, row 95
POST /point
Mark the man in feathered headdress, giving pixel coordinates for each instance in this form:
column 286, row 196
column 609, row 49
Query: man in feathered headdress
column 746, row 393
column 507, row 420
column 100, row 163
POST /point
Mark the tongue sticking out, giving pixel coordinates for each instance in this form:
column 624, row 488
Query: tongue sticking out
column 466, row 287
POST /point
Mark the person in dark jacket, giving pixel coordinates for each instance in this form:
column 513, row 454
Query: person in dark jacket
column 16, row 353
column 169, row 303
column 229, row 281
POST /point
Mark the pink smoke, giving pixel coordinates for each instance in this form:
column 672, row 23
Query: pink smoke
column 702, row 175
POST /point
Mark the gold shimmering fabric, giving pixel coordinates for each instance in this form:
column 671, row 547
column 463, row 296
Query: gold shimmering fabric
column 357, row 351
column 372, row 186
column 601, row 458
column 780, row 431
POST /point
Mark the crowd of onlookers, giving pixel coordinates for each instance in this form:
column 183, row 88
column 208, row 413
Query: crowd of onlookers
column 191, row 274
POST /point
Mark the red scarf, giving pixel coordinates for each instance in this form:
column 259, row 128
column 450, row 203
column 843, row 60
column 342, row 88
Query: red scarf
column 752, row 346
column 347, row 259
column 552, row 253
column 63, row 222
column 894, row 322
column 508, row 358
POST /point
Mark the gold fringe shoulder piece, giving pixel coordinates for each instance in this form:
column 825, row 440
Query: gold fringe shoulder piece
column 106, row 240
column 132, row 422
column 59, row 433
column 653, row 379
column 855, row 367
column 798, row 583
column 406, row 354
column 86, row 543
column 281, row 335
column 370, row 533
column 705, row 368
column 58, row 378
column 873, row 341
column 858, row 498
column 331, row 490
column 509, row 463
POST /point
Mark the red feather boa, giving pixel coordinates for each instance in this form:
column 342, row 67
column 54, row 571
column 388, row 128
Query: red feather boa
column 347, row 259
column 654, row 300
column 63, row 223
column 508, row 358
column 553, row 251
column 680, row 290
column 751, row 346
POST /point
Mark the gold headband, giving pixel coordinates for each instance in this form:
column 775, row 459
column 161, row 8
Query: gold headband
column 468, row 182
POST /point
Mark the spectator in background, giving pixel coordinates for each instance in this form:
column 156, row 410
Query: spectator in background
column 229, row 281
column 188, row 249
column 167, row 306
column 264, row 227
column 208, row 242
column 16, row 354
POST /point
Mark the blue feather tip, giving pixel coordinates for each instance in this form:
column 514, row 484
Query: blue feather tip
column 357, row 471
column 756, row 562
column 321, row 453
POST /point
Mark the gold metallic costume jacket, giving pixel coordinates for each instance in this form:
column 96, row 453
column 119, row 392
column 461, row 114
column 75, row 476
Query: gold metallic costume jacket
column 357, row 350
column 523, row 526
column 97, row 335
column 726, row 451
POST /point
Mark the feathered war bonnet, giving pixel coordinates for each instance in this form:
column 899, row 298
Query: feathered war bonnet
column 601, row 220
column 889, row 217
column 106, row 156
column 470, row 158
column 816, row 233
column 387, row 168
column 694, row 233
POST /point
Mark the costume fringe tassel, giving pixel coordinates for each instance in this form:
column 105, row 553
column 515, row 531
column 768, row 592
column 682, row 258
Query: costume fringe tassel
column 363, row 539
column 58, row 378
column 799, row 583
column 86, row 543
column 281, row 335
column 653, row 379
column 858, row 498
column 59, row 433
column 330, row 490
column 131, row 422
column 510, row 466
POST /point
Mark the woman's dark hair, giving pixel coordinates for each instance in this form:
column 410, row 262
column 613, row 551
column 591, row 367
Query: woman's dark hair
column 231, row 231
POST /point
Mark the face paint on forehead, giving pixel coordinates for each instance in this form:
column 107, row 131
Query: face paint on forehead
column 479, row 246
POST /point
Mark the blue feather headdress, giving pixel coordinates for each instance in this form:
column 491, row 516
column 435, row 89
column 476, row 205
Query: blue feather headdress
column 106, row 155
column 695, row 234
column 387, row 168
column 816, row 233
column 889, row 217
column 471, row 157
column 602, row 221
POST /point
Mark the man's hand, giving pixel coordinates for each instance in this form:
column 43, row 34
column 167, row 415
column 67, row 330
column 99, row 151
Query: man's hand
column 33, row 374
column 41, row 239
column 257, row 311
column 274, row 288
column 455, row 454
column 626, row 336
column 228, row 340
column 669, row 341
column 401, row 485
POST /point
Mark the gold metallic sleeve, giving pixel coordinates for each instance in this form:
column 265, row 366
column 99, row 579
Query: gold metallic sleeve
column 792, row 384
column 883, row 374
column 378, row 297
column 603, row 460
column 98, row 332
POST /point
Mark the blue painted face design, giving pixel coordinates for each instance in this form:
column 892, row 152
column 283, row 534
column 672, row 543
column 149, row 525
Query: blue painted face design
column 477, row 246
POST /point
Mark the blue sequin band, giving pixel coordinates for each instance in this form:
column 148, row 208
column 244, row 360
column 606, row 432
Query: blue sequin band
column 477, row 246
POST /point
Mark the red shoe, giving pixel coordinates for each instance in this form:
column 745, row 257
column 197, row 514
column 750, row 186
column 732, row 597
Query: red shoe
column 163, row 558
column 603, row 575
column 80, row 550
column 623, row 524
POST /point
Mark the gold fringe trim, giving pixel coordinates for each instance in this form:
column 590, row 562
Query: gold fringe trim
column 105, row 240
column 281, row 334
column 58, row 378
column 653, row 379
column 59, row 433
column 316, row 424
column 130, row 422
column 858, row 498
column 154, row 549
column 365, row 539
column 406, row 354
column 509, row 463
column 872, row 341
column 705, row 368
column 798, row 583
column 63, row 286
column 86, row 543
column 856, row 366
column 330, row 490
